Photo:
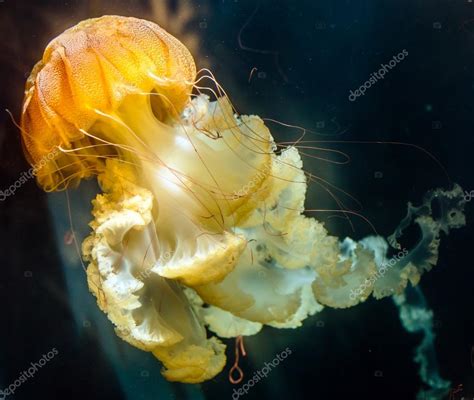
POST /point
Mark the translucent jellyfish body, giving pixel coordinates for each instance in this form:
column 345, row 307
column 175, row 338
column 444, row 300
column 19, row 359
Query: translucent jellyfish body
column 201, row 221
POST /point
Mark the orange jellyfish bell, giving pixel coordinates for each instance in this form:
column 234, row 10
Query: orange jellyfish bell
column 89, row 70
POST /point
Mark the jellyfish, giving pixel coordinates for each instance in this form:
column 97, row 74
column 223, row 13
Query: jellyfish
column 200, row 230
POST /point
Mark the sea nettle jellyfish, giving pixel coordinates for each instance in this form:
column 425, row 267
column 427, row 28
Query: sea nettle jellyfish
column 201, row 222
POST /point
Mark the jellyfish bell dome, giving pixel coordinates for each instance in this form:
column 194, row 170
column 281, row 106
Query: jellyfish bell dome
column 88, row 70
